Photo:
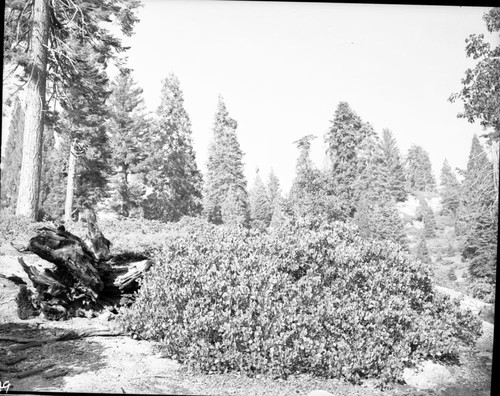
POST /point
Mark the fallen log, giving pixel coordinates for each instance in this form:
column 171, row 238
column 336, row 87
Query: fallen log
column 84, row 273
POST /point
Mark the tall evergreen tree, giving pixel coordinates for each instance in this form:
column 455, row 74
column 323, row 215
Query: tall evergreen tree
column 394, row 166
column 127, row 127
column 273, row 189
column 372, row 180
column 379, row 219
column 261, row 210
column 171, row 170
column 37, row 37
column 343, row 140
column 450, row 189
column 11, row 161
column 83, row 120
column 425, row 214
column 478, row 211
column 224, row 168
column 419, row 175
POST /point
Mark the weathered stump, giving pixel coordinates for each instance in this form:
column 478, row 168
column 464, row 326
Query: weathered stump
column 85, row 276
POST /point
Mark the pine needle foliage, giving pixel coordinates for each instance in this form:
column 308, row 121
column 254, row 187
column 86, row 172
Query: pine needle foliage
column 172, row 174
column 225, row 181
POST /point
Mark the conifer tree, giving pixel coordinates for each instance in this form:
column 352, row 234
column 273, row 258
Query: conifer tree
column 233, row 209
column 172, row 173
column 224, row 170
column 83, row 121
column 394, row 166
column 260, row 205
column 478, row 211
column 127, row 127
column 11, row 161
column 378, row 218
column 38, row 37
column 372, row 175
column 273, row 189
column 343, row 141
column 450, row 189
column 419, row 175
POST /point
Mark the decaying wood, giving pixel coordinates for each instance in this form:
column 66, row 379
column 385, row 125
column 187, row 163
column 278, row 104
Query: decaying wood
column 84, row 273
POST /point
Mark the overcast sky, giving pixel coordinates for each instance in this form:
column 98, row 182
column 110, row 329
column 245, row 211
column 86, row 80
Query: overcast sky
column 282, row 69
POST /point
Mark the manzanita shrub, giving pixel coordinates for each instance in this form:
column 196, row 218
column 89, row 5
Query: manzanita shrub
column 302, row 299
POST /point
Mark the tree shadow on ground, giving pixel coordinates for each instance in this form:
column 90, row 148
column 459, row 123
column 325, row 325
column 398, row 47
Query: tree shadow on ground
column 55, row 360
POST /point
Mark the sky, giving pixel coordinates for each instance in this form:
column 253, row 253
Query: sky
column 282, row 68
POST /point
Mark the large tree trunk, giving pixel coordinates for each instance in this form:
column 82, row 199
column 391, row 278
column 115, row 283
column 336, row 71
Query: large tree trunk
column 29, row 186
column 70, row 186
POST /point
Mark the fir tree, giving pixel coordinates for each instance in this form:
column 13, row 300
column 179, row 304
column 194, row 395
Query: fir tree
column 273, row 189
column 394, row 166
column 478, row 211
column 224, row 169
column 343, row 141
column 11, row 161
column 127, row 126
column 38, row 37
column 450, row 190
column 379, row 219
column 260, row 205
column 308, row 197
column 419, row 175
column 172, row 173
column 83, row 121
column 372, row 179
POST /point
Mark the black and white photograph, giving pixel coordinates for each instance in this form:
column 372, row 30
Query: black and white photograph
column 267, row 198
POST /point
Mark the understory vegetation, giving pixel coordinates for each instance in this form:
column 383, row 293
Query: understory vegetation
column 302, row 298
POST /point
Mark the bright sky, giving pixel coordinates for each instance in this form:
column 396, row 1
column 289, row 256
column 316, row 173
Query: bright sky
column 282, row 68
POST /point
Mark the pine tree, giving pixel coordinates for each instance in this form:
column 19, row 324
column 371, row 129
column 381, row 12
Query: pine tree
column 372, row 175
column 379, row 219
column 127, row 127
column 450, row 190
column 11, row 161
column 261, row 209
column 394, row 166
column 83, row 121
column 478, row 211
column 419, row 175
column 273, row 189
column 343, row 141
column 171, row 170
column 48, row 25
column 224, row 169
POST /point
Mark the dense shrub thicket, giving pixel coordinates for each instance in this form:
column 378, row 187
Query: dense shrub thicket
column 300, row 300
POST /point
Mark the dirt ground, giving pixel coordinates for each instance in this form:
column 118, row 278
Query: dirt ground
column 121, row 364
